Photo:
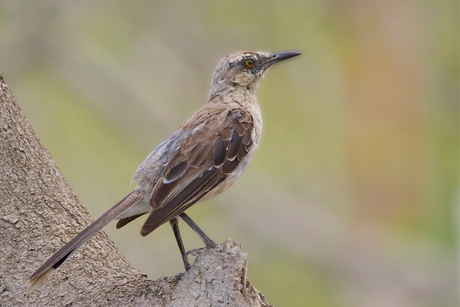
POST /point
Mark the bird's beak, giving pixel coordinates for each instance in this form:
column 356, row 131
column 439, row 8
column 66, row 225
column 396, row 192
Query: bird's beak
column 280, row 56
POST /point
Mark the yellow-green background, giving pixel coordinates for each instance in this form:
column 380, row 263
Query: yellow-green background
column 352, row 198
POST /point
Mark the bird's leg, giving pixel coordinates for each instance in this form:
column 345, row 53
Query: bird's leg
column 175, row 226
column 209, row 243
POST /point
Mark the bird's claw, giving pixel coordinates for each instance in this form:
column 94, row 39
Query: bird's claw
column 194, row 252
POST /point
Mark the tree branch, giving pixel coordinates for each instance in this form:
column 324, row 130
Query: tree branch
column 39, row 212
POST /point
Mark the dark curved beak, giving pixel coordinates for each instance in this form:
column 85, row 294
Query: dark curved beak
column 280, row 56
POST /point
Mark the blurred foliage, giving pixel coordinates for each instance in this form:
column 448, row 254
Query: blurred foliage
column 353, row 196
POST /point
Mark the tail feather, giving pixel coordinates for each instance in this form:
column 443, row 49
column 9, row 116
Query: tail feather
column 126, row 220
column 65, row 252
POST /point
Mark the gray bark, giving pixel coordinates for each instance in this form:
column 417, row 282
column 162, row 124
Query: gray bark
column 39, row 212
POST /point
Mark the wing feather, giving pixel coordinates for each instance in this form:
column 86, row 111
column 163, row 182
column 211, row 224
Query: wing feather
column 211, row 151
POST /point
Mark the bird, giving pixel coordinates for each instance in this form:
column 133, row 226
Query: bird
column 200, row 160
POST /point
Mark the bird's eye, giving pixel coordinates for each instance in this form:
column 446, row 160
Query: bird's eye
column 249, row 63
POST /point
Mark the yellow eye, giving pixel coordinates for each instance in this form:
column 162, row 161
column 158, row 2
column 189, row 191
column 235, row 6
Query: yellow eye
column 249, row 63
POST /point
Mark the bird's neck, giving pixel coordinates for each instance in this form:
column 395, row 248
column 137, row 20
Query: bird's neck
column 233, row 92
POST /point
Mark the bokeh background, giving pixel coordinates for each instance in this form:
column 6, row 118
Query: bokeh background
column 353, row 196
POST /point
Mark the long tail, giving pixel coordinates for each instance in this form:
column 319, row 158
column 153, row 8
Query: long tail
column 64, row 253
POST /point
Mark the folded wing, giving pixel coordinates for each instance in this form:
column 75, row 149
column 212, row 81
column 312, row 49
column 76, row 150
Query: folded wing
column 205, row 158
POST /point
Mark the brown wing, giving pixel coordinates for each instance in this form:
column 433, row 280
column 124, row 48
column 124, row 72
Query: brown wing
column 205, row 158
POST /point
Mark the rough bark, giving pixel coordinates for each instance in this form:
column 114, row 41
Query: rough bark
column 39, row 212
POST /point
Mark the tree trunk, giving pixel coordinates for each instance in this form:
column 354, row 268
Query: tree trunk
column 39, row 213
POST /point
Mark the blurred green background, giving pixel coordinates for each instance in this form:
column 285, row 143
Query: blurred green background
column 353, row 196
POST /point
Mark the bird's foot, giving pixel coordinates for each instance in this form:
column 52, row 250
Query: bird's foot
column 209, row 245
column 186, row 263
column 179, row 276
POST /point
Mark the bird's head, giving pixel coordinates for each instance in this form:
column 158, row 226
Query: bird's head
column 247, row 68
